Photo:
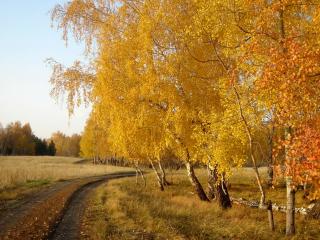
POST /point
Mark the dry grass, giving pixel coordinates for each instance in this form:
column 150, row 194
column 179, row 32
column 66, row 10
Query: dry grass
column 16, row 170
column 22, row 173
column 122, row 210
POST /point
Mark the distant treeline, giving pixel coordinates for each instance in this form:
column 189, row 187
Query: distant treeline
column 18, row 139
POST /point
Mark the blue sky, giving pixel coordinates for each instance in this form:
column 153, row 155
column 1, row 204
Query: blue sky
column 26, row 41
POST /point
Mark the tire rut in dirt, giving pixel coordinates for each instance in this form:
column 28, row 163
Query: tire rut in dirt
column 69, row 225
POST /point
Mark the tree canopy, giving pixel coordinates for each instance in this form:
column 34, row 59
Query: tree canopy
column 207, row 79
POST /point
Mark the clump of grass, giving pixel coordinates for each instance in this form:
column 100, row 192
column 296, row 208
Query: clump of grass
column 176, row 213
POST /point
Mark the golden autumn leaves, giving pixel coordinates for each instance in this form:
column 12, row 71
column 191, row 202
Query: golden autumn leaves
column 166, row 74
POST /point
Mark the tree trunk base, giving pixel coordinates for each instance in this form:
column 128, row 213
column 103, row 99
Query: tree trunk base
column 290, row 215
column 161, row 187
column 211, row 183
column 223, row 196
column 195, row 182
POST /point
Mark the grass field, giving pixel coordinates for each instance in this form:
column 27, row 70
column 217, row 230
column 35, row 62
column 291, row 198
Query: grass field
column 20, row 174
column 122, row 210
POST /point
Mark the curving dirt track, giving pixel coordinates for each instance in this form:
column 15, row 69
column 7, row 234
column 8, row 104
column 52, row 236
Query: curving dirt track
column 54, row 213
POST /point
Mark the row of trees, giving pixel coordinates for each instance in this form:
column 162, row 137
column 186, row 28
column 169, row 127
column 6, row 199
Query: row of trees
column 18, row 139
column 216, row 83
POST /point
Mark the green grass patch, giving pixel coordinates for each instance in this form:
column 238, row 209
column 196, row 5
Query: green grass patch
column 36, row 183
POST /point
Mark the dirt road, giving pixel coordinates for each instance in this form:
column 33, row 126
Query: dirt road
column 53, row 213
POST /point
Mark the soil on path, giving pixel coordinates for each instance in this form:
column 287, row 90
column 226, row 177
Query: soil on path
column 53, row 213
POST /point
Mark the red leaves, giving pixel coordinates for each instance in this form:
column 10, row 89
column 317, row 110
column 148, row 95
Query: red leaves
column 303, row 159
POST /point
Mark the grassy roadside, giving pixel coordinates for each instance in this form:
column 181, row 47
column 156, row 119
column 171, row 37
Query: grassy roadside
column 122, row 210
column 17, row 191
